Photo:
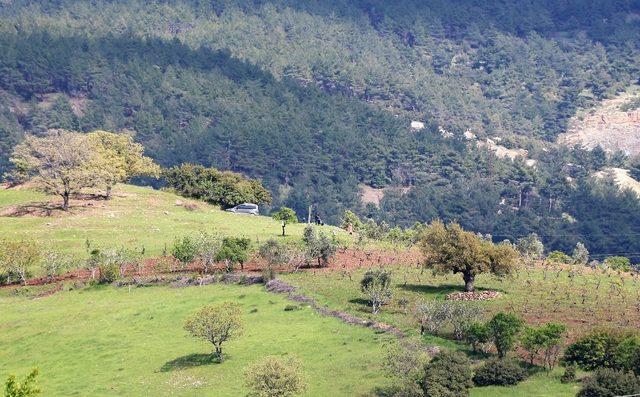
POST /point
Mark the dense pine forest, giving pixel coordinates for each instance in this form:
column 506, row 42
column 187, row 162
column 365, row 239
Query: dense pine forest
column 316, row 97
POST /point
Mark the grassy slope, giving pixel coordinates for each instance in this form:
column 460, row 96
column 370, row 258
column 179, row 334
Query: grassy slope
column 539, row 298
column 137, row 217
column 109, row 341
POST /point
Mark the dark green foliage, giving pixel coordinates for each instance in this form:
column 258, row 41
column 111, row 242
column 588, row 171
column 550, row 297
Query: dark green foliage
column 234, row 250
column 595, row 350
column 223, row 188
column 569, row 374
column 610, row 383
column 504, row 329
column 285, row 214
column 293, row 113
column 449, row 374
column 499, row 372
column 477, row 335
column 618, row 263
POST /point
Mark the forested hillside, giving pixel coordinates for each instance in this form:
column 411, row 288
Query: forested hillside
column 316, row 99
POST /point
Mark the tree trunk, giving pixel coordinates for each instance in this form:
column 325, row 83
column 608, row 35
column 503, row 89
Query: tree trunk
column 218, row 354
column 469, row 279
column 107, row 196
column 65, row 201
column 283, row 226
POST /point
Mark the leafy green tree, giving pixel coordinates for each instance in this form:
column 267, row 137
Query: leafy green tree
column 216, row 324
column 504, row 329
column 185, row 249
column 286, row 215
column 376, row 285
column 544, row 343
column 559, row 257
column 530, row 248
column 234, row 250
column 449, row 248
column 477, row 335
column 120, row 158
column 275, row 376
column 28, row 387
column 350, row 221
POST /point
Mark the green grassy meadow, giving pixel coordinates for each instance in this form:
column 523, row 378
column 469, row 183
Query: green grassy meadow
column 108, row 341
column 136, row 217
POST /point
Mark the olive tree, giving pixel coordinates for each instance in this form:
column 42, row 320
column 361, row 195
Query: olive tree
column 376, row 285
column 216, row 324
column 450, row 249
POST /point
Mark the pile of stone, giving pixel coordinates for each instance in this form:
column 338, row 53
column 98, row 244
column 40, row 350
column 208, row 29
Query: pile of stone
column 473, row 296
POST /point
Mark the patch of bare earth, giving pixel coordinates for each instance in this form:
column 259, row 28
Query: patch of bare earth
column 372, row 195
column 607, row 126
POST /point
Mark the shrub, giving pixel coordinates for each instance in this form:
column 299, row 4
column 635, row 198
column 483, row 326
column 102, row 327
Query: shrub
column 18, row 257
column 216, row 324
column 350, row 221
column 55, row 264
column 544, row 343
column 28, row 387
column 592, row 351
column 618, row 263
column 627, row 354
column 275, row 377
column 376, row 285
column 569, row 374
column 449, row 374
column 207, row 247
column 504, row 329
column 477, row 336
column 559, row 257
column 608, row 382
column 499, row 372
column 184, row 249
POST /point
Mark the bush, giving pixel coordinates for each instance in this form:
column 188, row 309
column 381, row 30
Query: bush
column 18, row 257
column 504, row 329
column 559, row 257
column 449, row 374
column 477, row 336
column 462, row 315
column 593, row 351
column 618, row 263
column 319, row 246
column 405, row 362
column 499, row 372
column 569, row 374
column 610, row 382
column 376, row 285
column 185, row 249
column 432, row 315
column 275, row 377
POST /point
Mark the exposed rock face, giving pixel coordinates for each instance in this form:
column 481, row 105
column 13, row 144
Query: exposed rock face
column 608, row 126
column 622, row 178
